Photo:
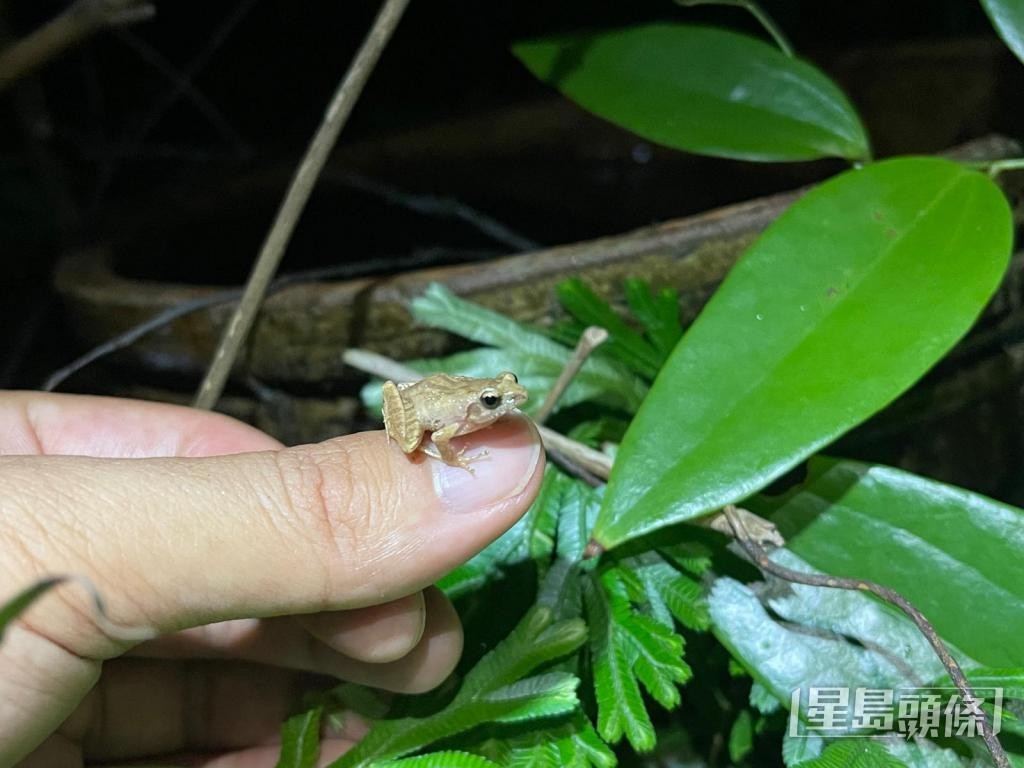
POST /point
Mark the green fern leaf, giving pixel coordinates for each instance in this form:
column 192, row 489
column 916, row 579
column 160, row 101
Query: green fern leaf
column 300, row 739
column 620, row 707
column 854, row 753
column 492, row 692
column 624, row 343
column 658, row 313
column 448, row 759
column 534, row 641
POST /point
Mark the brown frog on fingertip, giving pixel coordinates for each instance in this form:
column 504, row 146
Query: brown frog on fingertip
column 447, row 407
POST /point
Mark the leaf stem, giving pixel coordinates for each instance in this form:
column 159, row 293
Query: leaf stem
column 592, row 337
column 758, row 13
column 770, row 26
column 295, row 199
column 956, row 674
column 995, row 167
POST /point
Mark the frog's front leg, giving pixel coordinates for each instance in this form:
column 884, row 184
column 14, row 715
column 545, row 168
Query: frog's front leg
column 445, row 452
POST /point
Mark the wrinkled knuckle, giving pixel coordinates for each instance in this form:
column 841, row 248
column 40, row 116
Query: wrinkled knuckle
column 340, row 490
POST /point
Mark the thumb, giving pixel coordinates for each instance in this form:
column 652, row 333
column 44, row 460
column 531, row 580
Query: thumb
column 178, row 542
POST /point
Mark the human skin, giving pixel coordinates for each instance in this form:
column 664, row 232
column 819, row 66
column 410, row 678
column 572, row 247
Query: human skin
column 255, row 565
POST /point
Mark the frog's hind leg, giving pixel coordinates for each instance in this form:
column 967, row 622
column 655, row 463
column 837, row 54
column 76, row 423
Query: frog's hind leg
column 400, row 422
column 440, row 447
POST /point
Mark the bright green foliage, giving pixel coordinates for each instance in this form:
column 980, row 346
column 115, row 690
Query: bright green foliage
column 14, row 607
column 571, row 744
column 494, row 691
column 844, row 301
column 511, row 346
column 702, row 90
column 300, row 739
column 629, row 647
column 1008, row 18
column 939, row 546
column 644, row 352
column 854, row 753
column 446, row 759
column 741, row 736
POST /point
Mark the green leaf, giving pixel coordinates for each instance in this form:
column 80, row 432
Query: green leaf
column 854, row 753
column 492, row 692
column 628, row 646
column 624, row 343
column 702, row 90
column 1008, row 18
column 534, row 641
column 14, row 607
column 845, row 301
column 659, row 314
column 300, row 739
column 571, row 743
column 741, row 736
column 939, row 546
column 448, row 759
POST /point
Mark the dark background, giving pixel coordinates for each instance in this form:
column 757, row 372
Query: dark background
column 103, row 144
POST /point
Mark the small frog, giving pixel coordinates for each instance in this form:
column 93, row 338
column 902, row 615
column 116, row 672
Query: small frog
column 447, row 406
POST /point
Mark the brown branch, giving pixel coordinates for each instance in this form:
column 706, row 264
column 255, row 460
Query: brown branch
column 956, row 674
column 295, row 200
column 80, row 20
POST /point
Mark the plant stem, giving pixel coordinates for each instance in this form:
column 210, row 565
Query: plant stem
column 956, row 674
column 295, row 199
column 591, row 338
column 770, row 27
column 80, row 20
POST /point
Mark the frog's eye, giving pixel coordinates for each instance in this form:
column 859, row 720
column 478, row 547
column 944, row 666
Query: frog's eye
column 490, row 400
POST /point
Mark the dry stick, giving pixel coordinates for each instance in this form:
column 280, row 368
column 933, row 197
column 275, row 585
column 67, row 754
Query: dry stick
column 593, row 337
column 295, row 200
column 80, row 20
column 759, row 556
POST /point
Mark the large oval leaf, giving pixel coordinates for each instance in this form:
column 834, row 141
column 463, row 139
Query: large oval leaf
column 703, row 90
column 1008, row 18
column 846, row 300
column 957, row 555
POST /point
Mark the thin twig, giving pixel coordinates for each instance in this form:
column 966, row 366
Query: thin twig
column 295, row 200
column 443, row 207
column 80, row 20
column 759, row 556
column 591, row 338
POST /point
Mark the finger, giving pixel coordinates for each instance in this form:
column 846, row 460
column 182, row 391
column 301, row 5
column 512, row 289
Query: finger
column 83, row 425
column 286, row 643
column 375, row 634
column 173, row 543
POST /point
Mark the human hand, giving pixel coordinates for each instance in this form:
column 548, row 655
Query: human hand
column 239, row 553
